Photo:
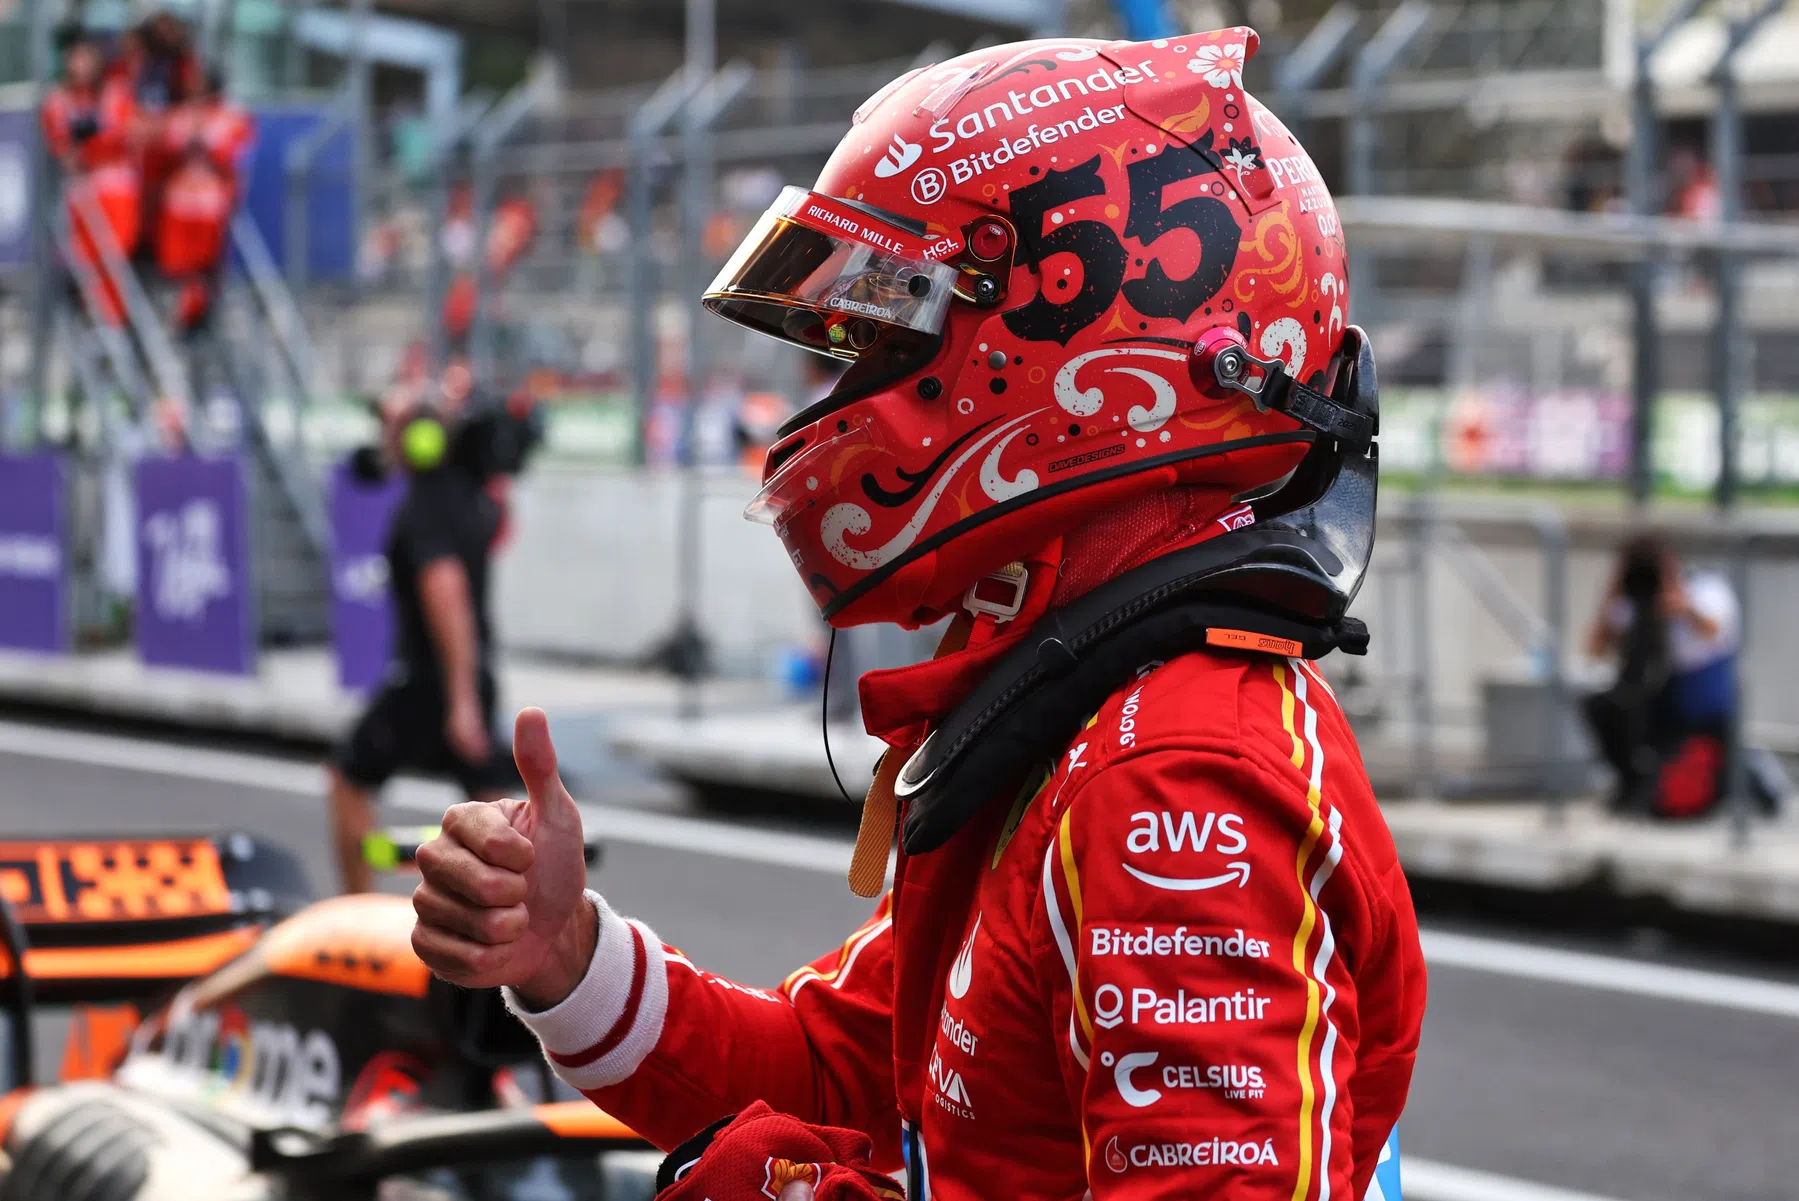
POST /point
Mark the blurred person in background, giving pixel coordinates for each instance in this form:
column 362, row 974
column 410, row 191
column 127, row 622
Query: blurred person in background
column 1147, row 936
column 1593, row 170
column 1664, row 724
column 157, row 61
column 434, row 712
column 207, row 138
column 509, row 235
column 88, row 121
column 1692, row 185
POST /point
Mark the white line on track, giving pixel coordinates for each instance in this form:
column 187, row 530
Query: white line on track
column 1427, row 1180
column 813, row 853
column 160, row 758
column 1610, row 973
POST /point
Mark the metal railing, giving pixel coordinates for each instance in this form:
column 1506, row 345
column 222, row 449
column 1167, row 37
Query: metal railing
column 115, row 346
column 1540, row 633
column 297, row 168
column 167, row 372
column 486, row 139
column 281, row 316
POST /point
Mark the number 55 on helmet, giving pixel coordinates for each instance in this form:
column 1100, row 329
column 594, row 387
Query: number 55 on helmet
column 1065, row 274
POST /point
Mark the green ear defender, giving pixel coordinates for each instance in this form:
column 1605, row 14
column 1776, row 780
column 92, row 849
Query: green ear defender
column 423, row 443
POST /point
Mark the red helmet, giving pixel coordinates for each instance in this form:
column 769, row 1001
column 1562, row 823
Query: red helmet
column 1066, row 274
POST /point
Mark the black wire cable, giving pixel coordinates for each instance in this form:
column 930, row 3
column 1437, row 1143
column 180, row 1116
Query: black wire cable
column 824, row 716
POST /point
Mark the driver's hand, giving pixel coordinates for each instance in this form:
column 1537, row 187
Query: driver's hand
column 465, row 727
column 501, row 900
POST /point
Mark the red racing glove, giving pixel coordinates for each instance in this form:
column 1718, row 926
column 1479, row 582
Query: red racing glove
column 758, row 1153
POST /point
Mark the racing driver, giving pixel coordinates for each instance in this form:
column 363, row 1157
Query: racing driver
column 1146, row 934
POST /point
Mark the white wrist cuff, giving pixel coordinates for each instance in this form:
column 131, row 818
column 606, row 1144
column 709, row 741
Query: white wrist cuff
column 603, row 1031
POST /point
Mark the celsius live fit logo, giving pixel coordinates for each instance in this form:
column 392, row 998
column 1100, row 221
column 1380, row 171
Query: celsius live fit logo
column 1186, row 834
column 1234, row 1080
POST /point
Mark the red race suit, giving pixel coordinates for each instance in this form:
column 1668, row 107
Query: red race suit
column 209, row 141
column 1184, row 963
column 101, row 183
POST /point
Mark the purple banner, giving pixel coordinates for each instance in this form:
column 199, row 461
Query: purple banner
column 361, row 611
column 18, row 130
column 195, row 600
column 34, row 580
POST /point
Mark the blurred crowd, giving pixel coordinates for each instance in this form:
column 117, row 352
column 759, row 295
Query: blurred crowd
column 152, row 153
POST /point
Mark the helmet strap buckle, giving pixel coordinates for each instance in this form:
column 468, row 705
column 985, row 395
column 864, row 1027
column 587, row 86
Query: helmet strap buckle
column 1013, row 577
column 1239, row 371
column 1221, row 363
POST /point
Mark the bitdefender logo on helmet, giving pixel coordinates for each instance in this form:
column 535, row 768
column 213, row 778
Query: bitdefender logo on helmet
column 928, row 186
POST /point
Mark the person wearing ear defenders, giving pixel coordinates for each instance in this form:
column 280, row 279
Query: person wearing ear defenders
column 434, row 712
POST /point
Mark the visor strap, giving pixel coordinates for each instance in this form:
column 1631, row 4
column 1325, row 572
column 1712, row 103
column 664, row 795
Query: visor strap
column 1315, row 410
column 1270, row 385
column 1279, row 390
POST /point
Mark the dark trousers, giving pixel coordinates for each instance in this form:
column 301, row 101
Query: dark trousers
column 1636, row 730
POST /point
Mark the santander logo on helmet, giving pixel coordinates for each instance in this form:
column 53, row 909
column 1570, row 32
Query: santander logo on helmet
column 1102, row 205
column 899, row 156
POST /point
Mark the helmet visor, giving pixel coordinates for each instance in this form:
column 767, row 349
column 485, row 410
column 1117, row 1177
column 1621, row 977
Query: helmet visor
column 826, row 275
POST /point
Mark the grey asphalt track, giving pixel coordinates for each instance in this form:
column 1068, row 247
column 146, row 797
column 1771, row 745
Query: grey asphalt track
column 1625, row 1096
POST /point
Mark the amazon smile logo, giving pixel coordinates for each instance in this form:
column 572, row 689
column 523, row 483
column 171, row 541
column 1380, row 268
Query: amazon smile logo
column 1188, row 834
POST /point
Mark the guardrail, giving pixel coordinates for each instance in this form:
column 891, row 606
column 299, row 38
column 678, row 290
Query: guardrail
column 168, row 373
column 1433, row 537
column 302, row 155
column 281, row 314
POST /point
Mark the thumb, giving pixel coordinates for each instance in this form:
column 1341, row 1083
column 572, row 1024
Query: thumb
column 535, row 755
column 799, row 1190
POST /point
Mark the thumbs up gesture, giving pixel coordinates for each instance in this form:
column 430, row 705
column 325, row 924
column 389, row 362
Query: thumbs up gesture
column 501, row 897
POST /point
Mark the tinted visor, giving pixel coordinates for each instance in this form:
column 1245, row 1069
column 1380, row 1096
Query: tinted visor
column 838, row 289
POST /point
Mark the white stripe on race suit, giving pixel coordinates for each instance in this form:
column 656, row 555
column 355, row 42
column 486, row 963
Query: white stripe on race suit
column 1311, row 669
column 1327, row 939
column 843, row 973
column 1327, row 948
column 1059, row 928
